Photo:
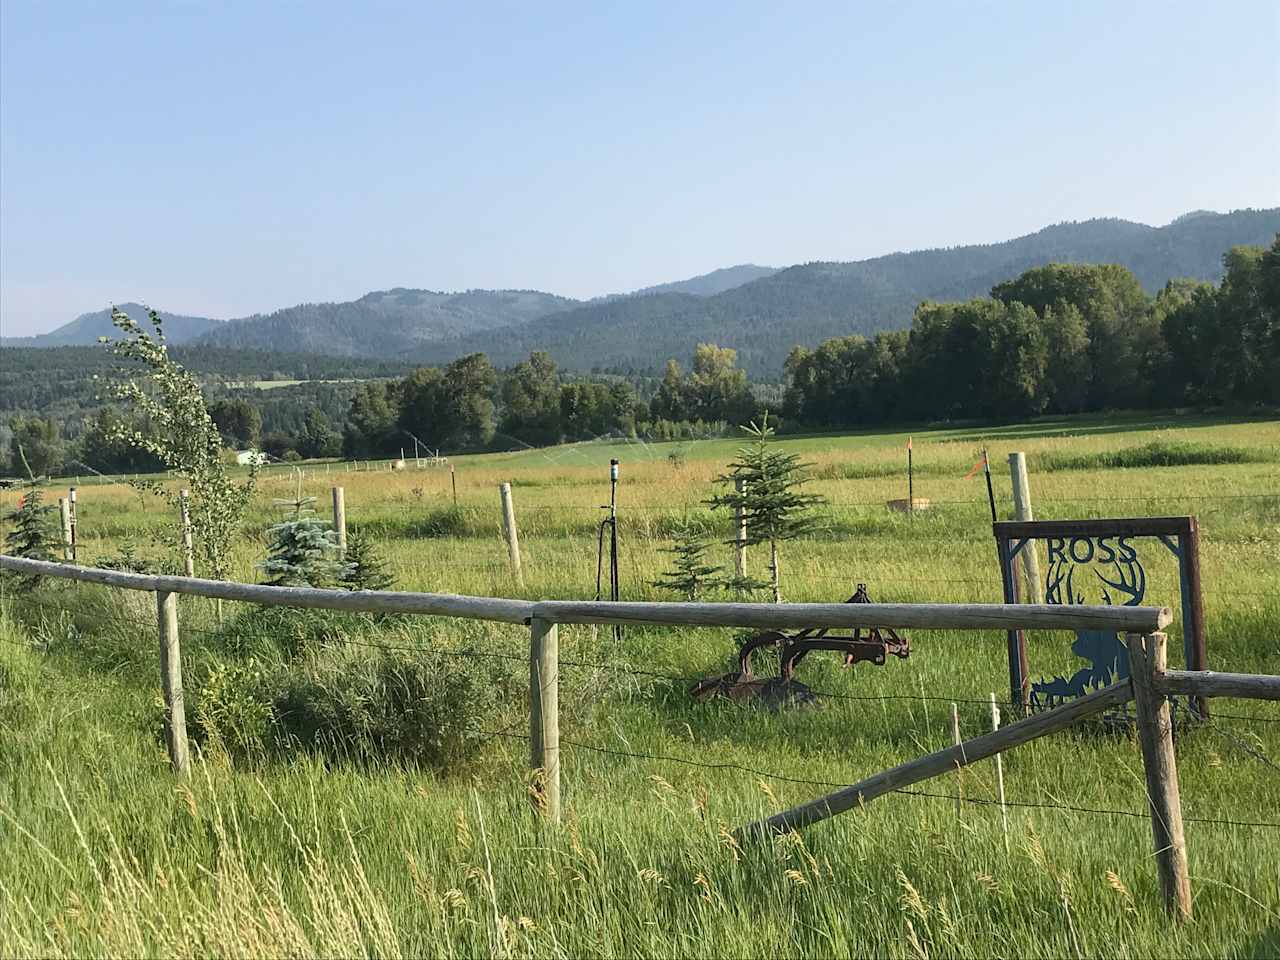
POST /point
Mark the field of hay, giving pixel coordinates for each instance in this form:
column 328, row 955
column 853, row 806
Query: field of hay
column 342, row 852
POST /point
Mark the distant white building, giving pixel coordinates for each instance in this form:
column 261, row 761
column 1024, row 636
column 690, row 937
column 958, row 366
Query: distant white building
column 245, row 458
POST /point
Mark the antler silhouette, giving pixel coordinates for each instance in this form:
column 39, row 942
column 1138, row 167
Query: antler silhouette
column 1132, row 582
column 1054, row 587
column 1053, row 583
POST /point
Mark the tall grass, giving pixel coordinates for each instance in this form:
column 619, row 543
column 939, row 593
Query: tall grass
column 1157, row 453
column 323, row 853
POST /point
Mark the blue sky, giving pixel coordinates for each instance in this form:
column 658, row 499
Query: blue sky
column 224, row 159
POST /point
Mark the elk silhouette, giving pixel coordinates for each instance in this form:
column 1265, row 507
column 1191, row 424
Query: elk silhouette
column 1104, row 650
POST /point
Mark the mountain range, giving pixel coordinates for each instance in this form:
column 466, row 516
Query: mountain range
column 88, row 327
column 760, row 311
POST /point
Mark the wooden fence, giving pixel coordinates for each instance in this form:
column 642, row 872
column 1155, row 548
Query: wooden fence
column 1150, row 686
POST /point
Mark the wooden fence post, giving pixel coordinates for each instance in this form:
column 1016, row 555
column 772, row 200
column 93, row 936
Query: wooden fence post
column 956, row 741
column 1022, row 511
column 544, row 715
column 740, row 544
column 1147, row 658
column 1193, row 641
column 1004, row 811
column 188, row 547
column 509, row 528
column 64, row 514
column 453, row 479
column 175, row 727
column 340, row 518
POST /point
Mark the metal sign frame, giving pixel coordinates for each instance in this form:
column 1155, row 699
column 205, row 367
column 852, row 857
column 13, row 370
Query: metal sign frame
column 1181, row 535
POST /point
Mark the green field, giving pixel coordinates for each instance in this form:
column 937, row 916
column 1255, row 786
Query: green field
column 295, row 851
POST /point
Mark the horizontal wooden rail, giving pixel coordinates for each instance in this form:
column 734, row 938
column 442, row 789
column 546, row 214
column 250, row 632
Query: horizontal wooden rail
column 1208, row 683
column 924, row 616
column 937, row 616
column 944, row 761
column 368, row 601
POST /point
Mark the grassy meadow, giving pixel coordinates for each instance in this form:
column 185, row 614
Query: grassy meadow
column 345, row 852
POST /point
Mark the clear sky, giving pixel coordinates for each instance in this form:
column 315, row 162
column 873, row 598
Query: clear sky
column 229, row 158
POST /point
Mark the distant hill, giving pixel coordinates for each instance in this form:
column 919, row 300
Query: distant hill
column 387, row 323
column 805, row 304
column 88, row 327
column 760, row 311
column 709, row 284
column 384, row 323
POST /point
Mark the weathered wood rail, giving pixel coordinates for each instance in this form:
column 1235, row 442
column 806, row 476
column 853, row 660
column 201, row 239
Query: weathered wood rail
column 355, row 601
column 1151, row 686
column 944, row 761
column 1209, row 683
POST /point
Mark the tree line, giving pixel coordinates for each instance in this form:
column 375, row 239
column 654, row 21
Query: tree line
column 1063, row 338
column 468, row 404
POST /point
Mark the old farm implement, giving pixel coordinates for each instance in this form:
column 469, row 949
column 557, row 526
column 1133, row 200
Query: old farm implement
column 871, row 645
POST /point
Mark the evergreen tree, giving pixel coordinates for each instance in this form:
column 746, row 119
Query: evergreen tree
column 33, row 535
column 690, row 574
column 304, row 549
column 366, row 569
column 772, row 505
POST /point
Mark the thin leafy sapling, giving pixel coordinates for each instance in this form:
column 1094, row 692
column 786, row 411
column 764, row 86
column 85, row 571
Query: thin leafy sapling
column 182, row 435
column 764, row 483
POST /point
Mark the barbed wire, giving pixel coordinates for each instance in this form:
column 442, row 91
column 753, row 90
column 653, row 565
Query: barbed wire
column 232, row 633
column 1240, row 744
column 773, row 775
column 754, row 771
column 981, row 502
column 1243, row 717
column 499, row 565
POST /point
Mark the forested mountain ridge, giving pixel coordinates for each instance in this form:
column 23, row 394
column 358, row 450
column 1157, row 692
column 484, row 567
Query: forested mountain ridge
column 709, row 284
column 88, row 327
column 386, row 323
column 761, row 318
column 811, row 302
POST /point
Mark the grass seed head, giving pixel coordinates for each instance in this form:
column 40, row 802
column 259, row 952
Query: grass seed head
column 728, row 840
column 910, row 901
column 767, row 791
column 1126, row 897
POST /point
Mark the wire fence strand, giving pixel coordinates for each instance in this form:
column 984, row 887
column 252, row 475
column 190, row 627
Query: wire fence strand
column 728, row 765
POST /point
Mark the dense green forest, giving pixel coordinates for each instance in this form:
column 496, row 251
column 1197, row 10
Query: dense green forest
column 68, row 386
column 1058, row 339
column 1062, row 338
